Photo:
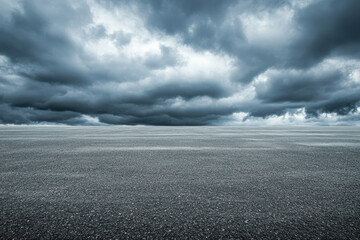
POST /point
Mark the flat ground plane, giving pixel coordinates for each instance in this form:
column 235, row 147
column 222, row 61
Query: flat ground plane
column 179, row 182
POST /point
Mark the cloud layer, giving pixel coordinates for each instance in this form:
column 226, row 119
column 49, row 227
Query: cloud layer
column 188, row 62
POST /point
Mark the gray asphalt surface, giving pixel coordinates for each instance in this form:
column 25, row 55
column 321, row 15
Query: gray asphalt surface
column 180, row 182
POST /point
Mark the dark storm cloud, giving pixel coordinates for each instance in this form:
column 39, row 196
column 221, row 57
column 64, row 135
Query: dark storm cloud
column 189, row 90
column 328, row 27
column 35, row 37
column 204, row 25
column 316, row 91
column 177, row 16
column 166, row 115
column 27, row 115
column 342, row 103
column 60, row 64
column 298, row 86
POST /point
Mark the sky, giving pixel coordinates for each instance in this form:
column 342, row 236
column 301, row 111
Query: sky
column 180, row 62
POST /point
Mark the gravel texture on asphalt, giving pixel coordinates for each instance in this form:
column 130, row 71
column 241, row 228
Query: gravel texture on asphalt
column 62, row 182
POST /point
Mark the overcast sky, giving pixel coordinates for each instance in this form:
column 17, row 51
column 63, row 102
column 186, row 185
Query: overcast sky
column 180, row 62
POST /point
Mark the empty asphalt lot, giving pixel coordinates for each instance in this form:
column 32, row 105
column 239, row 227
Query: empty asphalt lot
column 179, row 182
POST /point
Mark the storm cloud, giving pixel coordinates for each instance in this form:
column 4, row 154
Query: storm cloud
column 186, row 62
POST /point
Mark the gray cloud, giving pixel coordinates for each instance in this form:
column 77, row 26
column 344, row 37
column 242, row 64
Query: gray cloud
column 290, row 86
column 176, row 16
column 168, row 57
column 177, row 62
column 318, row 91
column 35, row 37
column 327, row 27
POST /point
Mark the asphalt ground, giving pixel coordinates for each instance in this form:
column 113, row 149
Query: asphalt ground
column 179, row 182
